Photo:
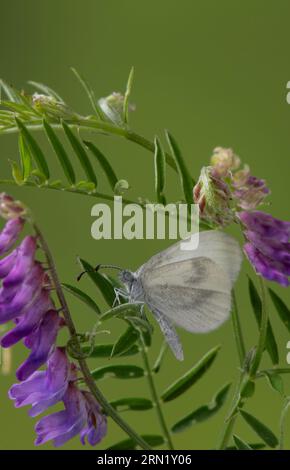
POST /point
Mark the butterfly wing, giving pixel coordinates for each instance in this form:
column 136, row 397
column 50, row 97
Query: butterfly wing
column 213, row 244
column 194, row 294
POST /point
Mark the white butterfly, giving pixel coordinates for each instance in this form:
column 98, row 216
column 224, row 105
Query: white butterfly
column 190, row 289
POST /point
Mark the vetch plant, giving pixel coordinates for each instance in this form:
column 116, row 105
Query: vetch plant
column 33, row 297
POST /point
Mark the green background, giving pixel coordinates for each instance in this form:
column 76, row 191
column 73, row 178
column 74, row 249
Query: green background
column 214, row 73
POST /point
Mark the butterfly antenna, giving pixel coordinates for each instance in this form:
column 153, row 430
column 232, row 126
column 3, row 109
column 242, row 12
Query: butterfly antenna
column 97, row 268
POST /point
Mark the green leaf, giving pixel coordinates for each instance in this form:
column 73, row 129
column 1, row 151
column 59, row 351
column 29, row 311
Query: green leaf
column 18, row 108
column 56, row 184
column 11, row 94
column 125, row 341
column 191, row 377
column 118, row 372
column 103, row 284
column 271, row 344
column 90, row 93
column 160, row 357
column 80, row 153
column 105, row 350
column 86, row 186
column 16, row 173
column 282, row 309
column 129, row 444
column 204, row 412
column 60, row 152
column 39, row 177
column 122, row 311
column 34, row 149
column 141, row 325
column 46, row 90
column 127, row 96
column 184, row 175
column 254, row 446
column 260, row 429
column 240, row 444
column 85, row 298
column 107, row 168
column 132, row 404
column 160, row 169
column 275, row 381
column 25, row 157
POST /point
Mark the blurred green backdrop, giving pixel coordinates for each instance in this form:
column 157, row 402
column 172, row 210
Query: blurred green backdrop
column 214, row 73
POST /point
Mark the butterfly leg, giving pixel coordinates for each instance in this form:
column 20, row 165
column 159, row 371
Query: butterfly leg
column 120, row 294
column 170, row 334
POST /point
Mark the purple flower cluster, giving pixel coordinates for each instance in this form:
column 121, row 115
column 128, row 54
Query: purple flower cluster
column 249, row 191
column 25, row 299
column 267, row 247
column 43, row 389
column 267, row 239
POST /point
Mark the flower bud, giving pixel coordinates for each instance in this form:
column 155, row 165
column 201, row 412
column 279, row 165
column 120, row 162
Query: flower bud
column 249, row 191
column 10, row 208
column 112, row 107
column 214, row 198
column 51, row 107
column 224, row 160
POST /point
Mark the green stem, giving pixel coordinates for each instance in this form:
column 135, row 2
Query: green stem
column 107, row 197
column 96, row 125
column 238, row 331
column 232, row 416
column 284, row 370
column 155, row 397
column 82, row 362
column 282, row 422
column 263, row 330
column 67, row 189
column 238, row 400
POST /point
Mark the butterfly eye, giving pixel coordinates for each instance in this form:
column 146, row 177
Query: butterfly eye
column 126, row 277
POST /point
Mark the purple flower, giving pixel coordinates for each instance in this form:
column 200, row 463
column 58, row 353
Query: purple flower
column 24, row 261
column 41, row 342
column 7, row 263
column 9, row 234
column 29, row 320
column 252, row 194
column 81, row 415
column 44, row 388
column 266, row 225
column 96, row 427
column 25, row 299
column 267, row 247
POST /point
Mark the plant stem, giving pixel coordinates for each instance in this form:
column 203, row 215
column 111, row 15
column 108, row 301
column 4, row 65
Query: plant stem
column 232, row 416
column 263, row 330
column 82, row 363
column 238, row 400
column 282, row 422
column 238, row 331
column 95, row 125
column 95, row 194
column 155, row 396
column 67, row 189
